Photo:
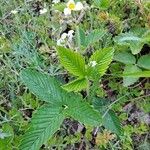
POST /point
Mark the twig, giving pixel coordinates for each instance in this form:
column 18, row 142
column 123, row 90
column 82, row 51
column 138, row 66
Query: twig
column 110, row 106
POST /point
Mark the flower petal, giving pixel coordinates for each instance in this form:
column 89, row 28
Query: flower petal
column 70, row 32
column 63, row 36
column 70, row 2
column 70, row 35
column 67, row 11
column 43, row 11
column 79, row 6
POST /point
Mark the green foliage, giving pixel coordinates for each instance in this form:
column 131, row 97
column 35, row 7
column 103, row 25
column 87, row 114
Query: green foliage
column 144, row 62
column 127, row 81
column 125, row 57
column 84, row 40
column 5, row 45
column 75, row 64
column 72, row 61
column 94, row 36
column 137, row 74
column 102, row 4
column 44, row 124
column 28, row 40
column 82, row 111
column 6, row 137
column 132, row 72
column 110, row 120
column 59, row 6
column 80, row 37
column 135, row 40
column 103, row 58
column 76, row 85
column 38, row 82
column 144, row 146
column 48, row 119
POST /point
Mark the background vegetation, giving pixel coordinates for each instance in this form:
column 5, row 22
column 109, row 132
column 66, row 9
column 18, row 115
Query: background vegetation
column 29, row 38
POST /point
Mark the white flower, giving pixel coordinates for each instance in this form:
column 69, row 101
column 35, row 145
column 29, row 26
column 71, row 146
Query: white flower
column 61, row 41
column 70, row 35
column 79, row 6
column 14, row 11
column 55, row 1
column 93, row 63
column 64, row 36
column 67, row 11
column 71, row 5
column 70, row 32
column 43, row 11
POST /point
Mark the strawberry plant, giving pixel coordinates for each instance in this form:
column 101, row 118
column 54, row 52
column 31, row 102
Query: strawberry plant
column 60, row 104
column 74, row 74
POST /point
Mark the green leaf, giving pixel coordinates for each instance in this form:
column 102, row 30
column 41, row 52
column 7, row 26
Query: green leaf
column 144, row 62
column 110, row 120
column 94, row 36
column 82, row 111
column 127, row 81
column 102, row 4
column 42, row 85
column 48, row 88
column 146, row 36
column 137, row 74
column 103, row 58
column 72, row 61
column 80, row 37
column 130, row 39
column 91, row 38
column 45, row 122
column 76, row 85
column 59, row 6
column 48, row 118
column 6, row 136
column 125, row 57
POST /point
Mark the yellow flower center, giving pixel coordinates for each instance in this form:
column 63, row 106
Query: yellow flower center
column 71, row 6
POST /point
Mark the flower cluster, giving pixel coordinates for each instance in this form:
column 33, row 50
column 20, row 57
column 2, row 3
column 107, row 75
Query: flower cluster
column 65, row 36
